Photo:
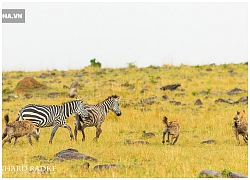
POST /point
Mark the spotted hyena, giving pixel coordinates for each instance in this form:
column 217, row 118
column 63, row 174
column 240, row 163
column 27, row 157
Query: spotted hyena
column 172, row 128
column 240, row 126
column 18, row 129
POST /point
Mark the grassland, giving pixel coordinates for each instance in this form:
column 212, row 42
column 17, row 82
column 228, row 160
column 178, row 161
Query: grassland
column 185, row 159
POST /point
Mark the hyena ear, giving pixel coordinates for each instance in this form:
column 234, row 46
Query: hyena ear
column 238, row 112
column 244, row 111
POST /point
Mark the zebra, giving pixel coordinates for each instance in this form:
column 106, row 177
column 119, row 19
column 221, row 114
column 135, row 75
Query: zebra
column 52, row 115
column 97, row 115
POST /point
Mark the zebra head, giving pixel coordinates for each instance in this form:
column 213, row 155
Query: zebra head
column 115, row 105
column 81, row 110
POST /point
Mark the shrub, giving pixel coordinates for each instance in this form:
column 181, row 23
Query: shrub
column 94, row 63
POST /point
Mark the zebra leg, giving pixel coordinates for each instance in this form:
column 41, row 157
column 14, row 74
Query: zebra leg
column 53, row 133
column 70, row 131
column 75, row 132
column 83, row 134
column 98, row 132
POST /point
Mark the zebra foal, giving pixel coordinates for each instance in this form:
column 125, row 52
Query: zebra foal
column 52, row 115
column 97, row 115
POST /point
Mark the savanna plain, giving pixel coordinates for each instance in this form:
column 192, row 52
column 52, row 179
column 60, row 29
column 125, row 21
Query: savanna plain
column 143, row 105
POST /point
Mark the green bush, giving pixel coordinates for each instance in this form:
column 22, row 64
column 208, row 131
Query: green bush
column 94, row 63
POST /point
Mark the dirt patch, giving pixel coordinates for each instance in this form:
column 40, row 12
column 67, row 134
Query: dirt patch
column 28, row 84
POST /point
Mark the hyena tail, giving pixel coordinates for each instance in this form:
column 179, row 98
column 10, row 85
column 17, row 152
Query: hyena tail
column 6, row 118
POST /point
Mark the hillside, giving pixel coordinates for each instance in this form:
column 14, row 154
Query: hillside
column 204, row 100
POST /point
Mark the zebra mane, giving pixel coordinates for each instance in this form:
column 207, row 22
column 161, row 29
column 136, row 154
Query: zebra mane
column 70, row 101
column 113, row 96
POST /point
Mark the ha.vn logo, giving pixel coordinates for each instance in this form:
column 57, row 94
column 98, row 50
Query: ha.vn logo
column 13, row 15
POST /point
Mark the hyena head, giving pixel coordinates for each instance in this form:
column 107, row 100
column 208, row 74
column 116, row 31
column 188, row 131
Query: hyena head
column 165, row 120
column 240, row 115
column 35, row 132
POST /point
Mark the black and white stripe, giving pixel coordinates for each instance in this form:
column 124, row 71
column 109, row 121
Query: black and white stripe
column 52, row 115
column 97, row 115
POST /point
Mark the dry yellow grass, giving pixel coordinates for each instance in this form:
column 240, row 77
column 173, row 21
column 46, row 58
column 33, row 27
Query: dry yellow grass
column 185, row 159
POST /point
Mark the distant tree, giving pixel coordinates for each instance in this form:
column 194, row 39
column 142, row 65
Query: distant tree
column 131, row 65
column 94, row 63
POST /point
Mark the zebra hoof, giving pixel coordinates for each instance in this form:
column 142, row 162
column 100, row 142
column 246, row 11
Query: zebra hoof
column 95, row 139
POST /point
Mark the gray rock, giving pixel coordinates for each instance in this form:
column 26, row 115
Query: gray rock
column 165, row 97
column 27, row 96
column 53, row 94
column 74, row 84
column 236, row 175
column 73, row 93
column 148, row 135
column 39, row 157
column 209, row 141
column 209, row 173
column 243, row 99
column 70, row 154
column 81, row 166
column 170, row 87
column 198, row 102
column 236, row 91
column 128, row 141
column 107, row 166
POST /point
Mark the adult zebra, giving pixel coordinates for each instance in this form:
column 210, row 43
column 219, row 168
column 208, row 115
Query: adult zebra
column 52, row 115
column 97, row 115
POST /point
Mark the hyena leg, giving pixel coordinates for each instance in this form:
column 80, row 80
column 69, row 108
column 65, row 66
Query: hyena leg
column 237, row 136
column 4, row 135
column 163, row 136
column 168, row 137
column 98, row 132
column 29, row 139
column 7, row 140
column 176, row 138
column 245, row 138
column 15, row 140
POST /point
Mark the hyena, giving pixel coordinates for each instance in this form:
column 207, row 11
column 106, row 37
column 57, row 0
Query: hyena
column 240, row 126
column 172, row 128
column 18, row 129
